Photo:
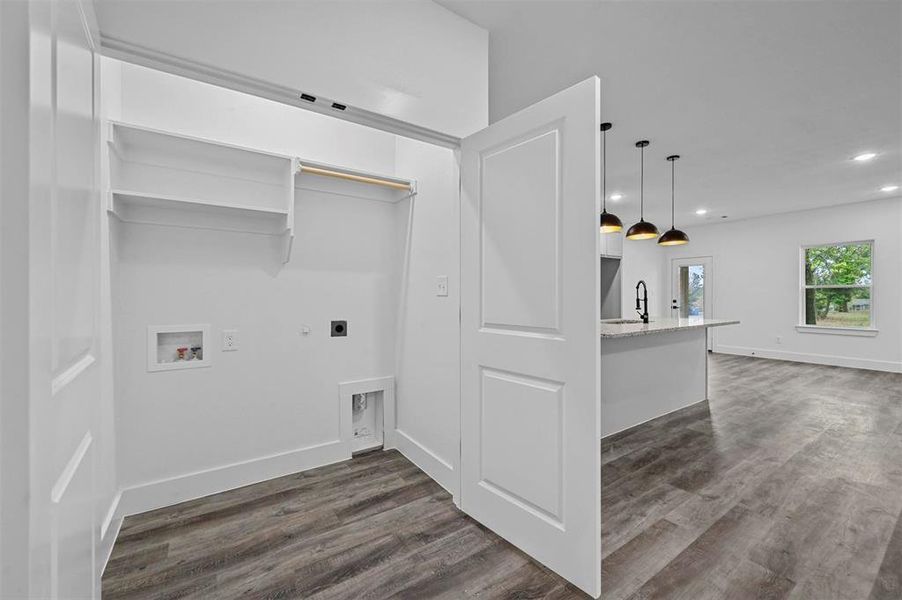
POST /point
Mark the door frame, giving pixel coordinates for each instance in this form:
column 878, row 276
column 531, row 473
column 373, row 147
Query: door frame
column 708, row 263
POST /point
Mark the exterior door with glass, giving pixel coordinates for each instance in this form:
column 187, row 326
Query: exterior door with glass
column 691, row 282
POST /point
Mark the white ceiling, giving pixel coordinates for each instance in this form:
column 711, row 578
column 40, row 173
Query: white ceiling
column 766, row 101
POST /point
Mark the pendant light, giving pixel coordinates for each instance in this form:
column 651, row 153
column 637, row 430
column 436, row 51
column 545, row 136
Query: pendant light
column 609, row 223
column 673, row 236
column 643, row 230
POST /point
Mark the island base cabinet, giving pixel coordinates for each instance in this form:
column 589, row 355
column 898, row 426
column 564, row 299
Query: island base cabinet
column 647, row 376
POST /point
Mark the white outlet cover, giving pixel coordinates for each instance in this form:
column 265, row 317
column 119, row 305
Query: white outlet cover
column 441, row 285
column 229, row 340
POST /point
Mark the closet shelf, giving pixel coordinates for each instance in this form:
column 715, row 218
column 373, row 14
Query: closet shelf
column 161, row 209
column 161, row 178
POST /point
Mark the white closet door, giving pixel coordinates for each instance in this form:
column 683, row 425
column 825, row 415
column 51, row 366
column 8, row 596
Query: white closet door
column 64, row 305
column 530, row 391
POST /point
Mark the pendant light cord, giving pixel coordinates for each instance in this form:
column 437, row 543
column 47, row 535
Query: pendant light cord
column 672, row 187
column 642, row 183
column 604, row 170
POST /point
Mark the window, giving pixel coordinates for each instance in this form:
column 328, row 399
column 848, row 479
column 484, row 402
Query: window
column 837, row 285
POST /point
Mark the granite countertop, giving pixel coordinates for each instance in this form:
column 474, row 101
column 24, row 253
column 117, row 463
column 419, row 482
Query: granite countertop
column 609, row 328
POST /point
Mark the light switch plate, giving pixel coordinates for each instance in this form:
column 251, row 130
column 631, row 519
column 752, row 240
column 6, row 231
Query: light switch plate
column 441, row 285
column 229, row 340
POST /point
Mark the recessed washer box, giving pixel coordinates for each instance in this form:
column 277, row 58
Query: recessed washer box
column 173, row 347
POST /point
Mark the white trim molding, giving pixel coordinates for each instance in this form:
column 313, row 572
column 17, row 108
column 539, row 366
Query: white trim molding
column 110, row 514
column 428, row 461
column 190, row 486
column 68, row 472
column 109, row 531
column 133, row 53
column 863, row 332
column 69, row 374
column 816, row 359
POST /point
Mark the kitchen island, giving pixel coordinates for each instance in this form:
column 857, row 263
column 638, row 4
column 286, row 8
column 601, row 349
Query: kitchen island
column 651, row 369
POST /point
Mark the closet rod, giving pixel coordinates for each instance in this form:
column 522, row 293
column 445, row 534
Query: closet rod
column 358, row 178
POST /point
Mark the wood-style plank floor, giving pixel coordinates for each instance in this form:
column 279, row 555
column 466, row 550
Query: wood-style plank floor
column 372, row 527
column 788, row 484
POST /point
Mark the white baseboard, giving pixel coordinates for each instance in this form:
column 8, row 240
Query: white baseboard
column 817, row 359
column 427, row 460
column 109, row 530
column 166, row 492
column 625, row 430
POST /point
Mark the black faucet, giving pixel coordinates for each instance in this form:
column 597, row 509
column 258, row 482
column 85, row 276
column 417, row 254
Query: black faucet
column 644, row 302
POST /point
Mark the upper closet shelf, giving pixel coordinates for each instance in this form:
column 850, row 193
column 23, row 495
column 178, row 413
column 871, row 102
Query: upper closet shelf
column 163, row 178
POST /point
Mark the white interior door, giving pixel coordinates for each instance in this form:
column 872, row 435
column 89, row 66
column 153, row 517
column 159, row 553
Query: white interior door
column 691, row 285
column 63, row 304
column 530, row 391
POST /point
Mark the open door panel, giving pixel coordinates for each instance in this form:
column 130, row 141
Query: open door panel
column 530, row 390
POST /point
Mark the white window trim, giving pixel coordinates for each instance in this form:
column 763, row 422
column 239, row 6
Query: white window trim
column 802, row 327
column 859, row 331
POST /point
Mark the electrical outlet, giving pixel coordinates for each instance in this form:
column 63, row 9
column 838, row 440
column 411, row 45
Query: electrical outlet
column 339, row 328
column 441, row 285
column 779, row 339
column 229, row 340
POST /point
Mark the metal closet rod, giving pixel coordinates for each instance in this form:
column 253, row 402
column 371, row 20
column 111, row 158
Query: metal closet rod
column 352, row 177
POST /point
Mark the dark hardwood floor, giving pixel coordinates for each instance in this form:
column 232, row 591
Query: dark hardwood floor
column 372, row 527
column 787, row 485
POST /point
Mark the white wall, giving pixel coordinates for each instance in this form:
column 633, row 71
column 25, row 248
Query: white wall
column 154, row 99
column 756, row 280
column 642, row 260
column 272, row 407
column 428, row 403
column 414, row 61
column 279, row 392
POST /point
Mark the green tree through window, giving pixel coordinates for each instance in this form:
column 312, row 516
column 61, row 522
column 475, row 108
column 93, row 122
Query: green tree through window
column 838, row 281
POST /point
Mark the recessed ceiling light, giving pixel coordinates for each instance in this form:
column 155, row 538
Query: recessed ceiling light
column 865, row 156
column 701, row 211
column 889, row 188
column 616, row 197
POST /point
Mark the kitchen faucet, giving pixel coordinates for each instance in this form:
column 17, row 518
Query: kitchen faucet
column 643, row 302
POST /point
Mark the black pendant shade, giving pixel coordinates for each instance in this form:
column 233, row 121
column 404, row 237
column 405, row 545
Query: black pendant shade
column 643, row 230
column 608, row 223
column 673, row 236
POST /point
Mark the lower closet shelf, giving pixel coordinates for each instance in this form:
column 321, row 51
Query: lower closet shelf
column 141, row 207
